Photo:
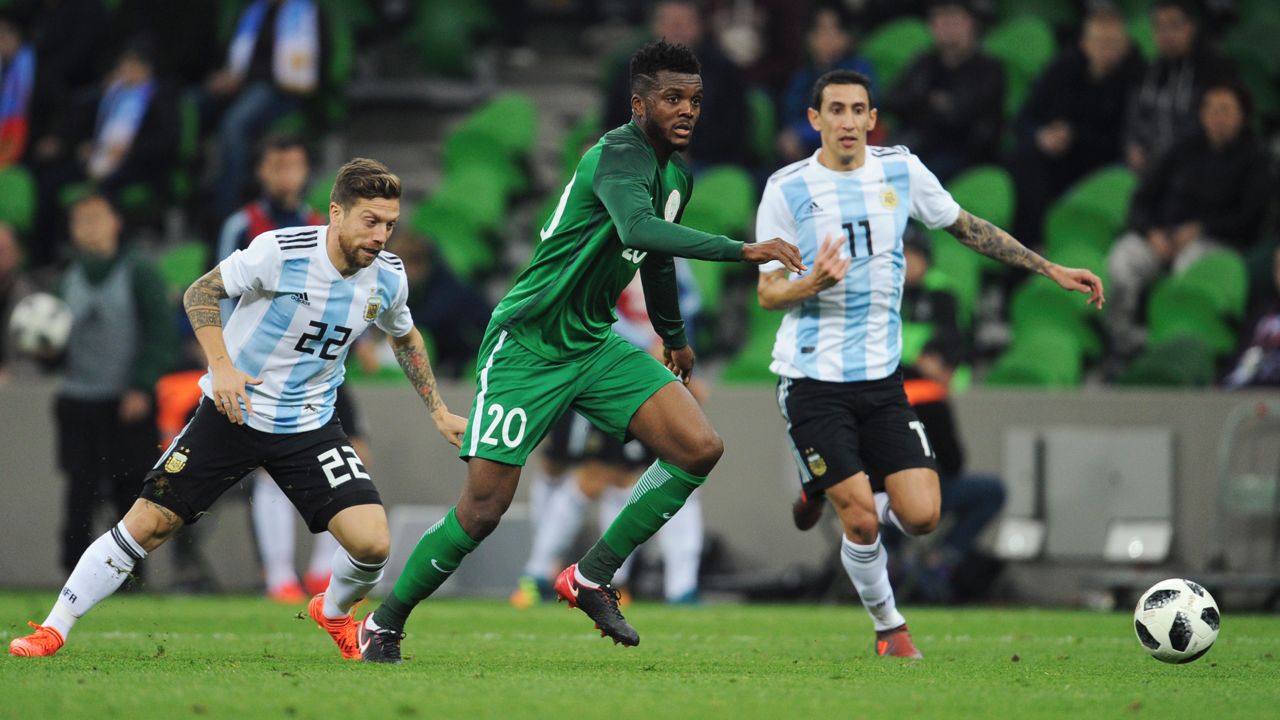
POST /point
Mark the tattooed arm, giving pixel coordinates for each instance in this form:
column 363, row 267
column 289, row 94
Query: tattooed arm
column 411, row 353
column 985, row 238
column 228, row 383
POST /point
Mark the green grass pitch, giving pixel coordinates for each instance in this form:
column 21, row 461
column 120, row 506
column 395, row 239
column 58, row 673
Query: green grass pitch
column 140, row 656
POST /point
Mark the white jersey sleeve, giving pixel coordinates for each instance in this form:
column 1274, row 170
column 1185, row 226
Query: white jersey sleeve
column 774, row 220
column 931, row 204
column 255, row 268
column 396, row 320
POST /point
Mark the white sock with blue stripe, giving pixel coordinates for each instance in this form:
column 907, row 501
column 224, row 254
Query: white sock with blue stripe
column 101, row 570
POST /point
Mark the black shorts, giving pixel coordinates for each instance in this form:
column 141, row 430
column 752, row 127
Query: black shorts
column 316, row 469
column 573, row 439
column 841, row 429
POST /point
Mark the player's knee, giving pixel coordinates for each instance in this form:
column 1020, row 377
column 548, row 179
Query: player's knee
column 705, row 451
column 920, row 521
column 150, row 524
column 482, row 518
column 371, row 550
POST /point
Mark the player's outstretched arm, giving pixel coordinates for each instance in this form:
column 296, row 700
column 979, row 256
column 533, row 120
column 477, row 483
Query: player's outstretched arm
column 983, row 237
column 411, row 353
column 227, row 382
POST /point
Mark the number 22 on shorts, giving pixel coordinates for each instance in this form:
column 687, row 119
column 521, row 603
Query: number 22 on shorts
column 513, row 423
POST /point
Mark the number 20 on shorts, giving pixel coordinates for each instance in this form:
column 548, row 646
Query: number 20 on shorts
column 513, row 424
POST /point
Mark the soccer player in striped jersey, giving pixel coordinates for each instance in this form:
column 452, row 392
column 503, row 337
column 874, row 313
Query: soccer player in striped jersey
column 305, row 293
column 837, row 352
column 550, row 346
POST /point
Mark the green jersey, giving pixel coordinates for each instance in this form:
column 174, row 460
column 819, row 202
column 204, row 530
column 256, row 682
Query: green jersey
column 616, row 216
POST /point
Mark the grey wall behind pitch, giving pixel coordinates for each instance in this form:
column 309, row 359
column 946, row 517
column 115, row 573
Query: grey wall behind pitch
column 746, row 501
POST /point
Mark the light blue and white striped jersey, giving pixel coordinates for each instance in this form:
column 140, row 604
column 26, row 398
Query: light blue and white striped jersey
column 296, row 319
column 852, row 331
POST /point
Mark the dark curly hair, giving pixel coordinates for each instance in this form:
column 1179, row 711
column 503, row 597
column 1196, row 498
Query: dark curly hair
column 657, row 56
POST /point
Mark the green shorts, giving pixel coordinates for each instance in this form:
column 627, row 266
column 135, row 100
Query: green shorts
column 520, row 395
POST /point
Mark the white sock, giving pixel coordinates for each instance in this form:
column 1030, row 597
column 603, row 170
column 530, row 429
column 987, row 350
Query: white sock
column 886, row 515
column 351, row 580
column 323, row 546
column 868, row 568
column 582, row 580
column 559, row 524
column 273, row 527
column 681, row 543
column 101, row 570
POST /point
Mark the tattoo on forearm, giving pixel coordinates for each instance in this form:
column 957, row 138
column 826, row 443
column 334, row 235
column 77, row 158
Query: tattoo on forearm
column 993, row 242
column 201, row 300
column 413, row 360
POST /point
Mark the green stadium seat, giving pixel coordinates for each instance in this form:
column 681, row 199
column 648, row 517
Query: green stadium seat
column 1178, row 308
column 1106, row 191
column 1224, row 277
column 1093, row 212
column 1181, row 361
column 318, row 193
column 764, row 125
column 709, row 277
column 1041, row 357
column 914, row 337
column 511, row 121
column 893, row 46
column 443, row 39
column 17, row 197
column 963, row 272
column 1083, row 256
column 461, row 242
column 1040, row 303
column 182, row 264
column 986, row 191
column 1143, row 35
column 1024, row 45
column 724, row 201
column 470, row 148
column 751, row 365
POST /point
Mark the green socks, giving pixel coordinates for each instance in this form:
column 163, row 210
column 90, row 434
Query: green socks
column 659, row 494
column 436, row 556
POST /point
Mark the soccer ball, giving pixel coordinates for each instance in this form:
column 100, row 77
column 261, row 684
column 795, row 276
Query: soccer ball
column 40, row 325
column 1176, row 621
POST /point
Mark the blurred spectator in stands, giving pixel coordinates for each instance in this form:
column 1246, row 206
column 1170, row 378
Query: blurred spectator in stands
column 122, row 340
column 1258, row 364
column 1162, row 108
column 187, row 44
column 1072, row 120
column 70, row 37
column 763, row 37
column 723, row 127
column 1207, row 192
column 17, row 89
column 275, row 62
column 282, row 171
column 948, row 106
column 452, row 312
column 121, row 134
column 970, row 501
column 830, row 46
column 921, row 304
column 14, row 285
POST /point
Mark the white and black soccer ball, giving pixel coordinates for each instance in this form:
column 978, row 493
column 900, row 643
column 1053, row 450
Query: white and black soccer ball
column 1176, row 620
column 40, row 325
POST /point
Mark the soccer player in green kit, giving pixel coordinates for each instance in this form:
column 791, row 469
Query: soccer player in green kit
column 550, row 347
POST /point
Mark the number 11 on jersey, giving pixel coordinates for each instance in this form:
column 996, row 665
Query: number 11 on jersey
column 866, row 232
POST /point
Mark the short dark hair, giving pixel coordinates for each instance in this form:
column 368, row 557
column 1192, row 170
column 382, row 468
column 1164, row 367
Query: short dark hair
column 1235, row 87
column 659, row 55
column 91, row 194
column 277, row 142
column 1190, row 8
column 364, row 179
column 840, row 77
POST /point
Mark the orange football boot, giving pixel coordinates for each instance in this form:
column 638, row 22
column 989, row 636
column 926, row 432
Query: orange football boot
column 43, row 642
column 896, row 643
column 343, row 630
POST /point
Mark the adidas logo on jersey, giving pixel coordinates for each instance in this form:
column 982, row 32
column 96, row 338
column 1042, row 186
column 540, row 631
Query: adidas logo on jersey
column 301, row 298
column 813, row 209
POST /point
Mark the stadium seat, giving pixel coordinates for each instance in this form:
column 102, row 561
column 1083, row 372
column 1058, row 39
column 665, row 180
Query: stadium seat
column 1179, row 308
column 443, row 33
column 1024, row 45
column 586, row 129
column 914, row 337
column 1083, row 256
column 1106, row 191
column 986, row 191
column 461, row 242
column 1040, row 303
column 318, row 193
column 709, row 277
column 1181, row 361
column 764, row 126
column 1224, row 277
column 1094, row 211
column 511, row 121
column 1041, row 356
column 182, row 264
column 476, row 192
column 17, row 197
column 724, row 201
column 961, row 267
column 894, row 45
column 751, row 364
column 473, row 147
